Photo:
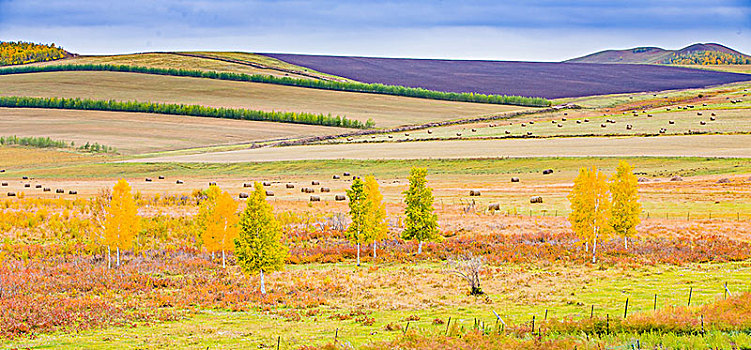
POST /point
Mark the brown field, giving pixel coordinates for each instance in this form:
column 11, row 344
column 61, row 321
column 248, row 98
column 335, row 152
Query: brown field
column 386, row 111
column 133, row 133
column 668, row 146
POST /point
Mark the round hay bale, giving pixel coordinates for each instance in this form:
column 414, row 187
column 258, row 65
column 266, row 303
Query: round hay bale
column 662, row 130
column 269, row 193
column 547, row 171
column 430, row 131
column 72, row 192
column 667, row 109
column 565, row 113
column 704, row 104
column 406, row 134
column 391, row 136
column 148, row 179
column 38, row 186
column 535, row 199
column 531, row 122
column 578, row 122
column 474, row 193
column 560, row 125
column 529, row 133
column 347, row 174
column 603, row 125
column 563, row 119
column 372, row 136
column 290, row 185
column 315, row 198
column 179, row 182
column 349, row 139
column 315, row 183
column 243, row 195
column 698, row 113
column 724, row 180
column 26, row 185
column 703, row 123
column 161, row 177
column 524, row 125
column 325, row 189
column 494, row 207
column 642, row 179
column 46, row 189
column 628, row 127
column 586, row 120
column 336, row 177
column 247, row 184
column 2, row 170
column 340, row 197
column 507, row 132
column 649, row 116
column 514, row 179
column 4, row 184
column 59, row 190
column 24, row 178
column 676, row 178
column 712, row 118
column 458, row 134
column 713, row 114
column 671, row 122
column 553, row 122
column 11, row 194
column 474, row 130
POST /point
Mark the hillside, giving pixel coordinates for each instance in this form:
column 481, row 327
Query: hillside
column 19, row 52
column 539, row 79
column 702, row 54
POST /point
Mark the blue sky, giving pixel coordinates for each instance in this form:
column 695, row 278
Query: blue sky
column 519, row 30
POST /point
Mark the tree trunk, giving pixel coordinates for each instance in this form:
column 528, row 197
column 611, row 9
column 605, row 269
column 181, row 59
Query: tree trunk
column 358, row 254
column 374, row 249
column 586, row 247
column 625, row 242
column 118, row 257
column 224, row 258
column 109, row 258
column 212, row 256
column 594, row 249
column 263, row 284
column 419, row 247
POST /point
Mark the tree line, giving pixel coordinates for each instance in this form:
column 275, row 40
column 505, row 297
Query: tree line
column 707, row 58
column 182, row 109
column 298, row 82
column 20, row 52
column 47, row 142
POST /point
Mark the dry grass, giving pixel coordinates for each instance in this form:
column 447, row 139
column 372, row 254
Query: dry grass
column 672, row 146
column 735, row 68
column 22, row 157
column 384, row 110
column 133, row 133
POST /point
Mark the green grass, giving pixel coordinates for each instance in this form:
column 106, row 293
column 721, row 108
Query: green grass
column 605, row 287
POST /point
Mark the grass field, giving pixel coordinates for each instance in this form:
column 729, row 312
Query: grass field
column 133, row 133
column 386, row 111
column 735, row 68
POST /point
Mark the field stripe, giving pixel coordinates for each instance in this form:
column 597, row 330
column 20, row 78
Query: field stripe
column 735, row 146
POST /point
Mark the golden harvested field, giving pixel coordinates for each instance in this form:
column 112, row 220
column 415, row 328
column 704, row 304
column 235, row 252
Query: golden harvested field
column 735, row 68
column 386, row 111
column 670, row 146
column 133, row 133
column 177, row 61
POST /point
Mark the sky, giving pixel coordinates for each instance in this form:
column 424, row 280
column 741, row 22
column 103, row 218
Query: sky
column 544, row 30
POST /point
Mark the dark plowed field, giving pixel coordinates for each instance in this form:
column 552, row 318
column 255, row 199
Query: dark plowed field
column 538, row 79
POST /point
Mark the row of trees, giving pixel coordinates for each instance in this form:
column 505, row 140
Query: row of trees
column 308, row 83
column 182, row 109
column 708, row 58
column 47, row 142
column 600, row 209
column 19, row 52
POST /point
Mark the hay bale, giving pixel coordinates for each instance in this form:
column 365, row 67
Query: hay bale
column 507, row 132
column 560, row 125
column 712, row 118
column 430, row 131
column 340, row 197
column 547, row 171
column 325, row 189
column 474, row 193
column 671, row 122
column 586, row 120
column 243, row 195
column 179, row 182
column 529, row 133
column 531, row 122
column 72, row 192
column 24, row 178
column 642, row 179
column 698, row 113
column 269, row 193
column 349, row 139
column 391, row 136
column 347, row 174
column 494, row 207
column 663, row 130
column 713, row 114
column 307, row 190
column 676, row 178
column 26, row 185
column 578, row 122
column 535, row 199
column 524, row 125
column 315, row 183
column 38, row 186
column 290, row 185
column 161, row 177
column 514, row 179
column 553, row 122
column 563, row 119
column 458, row 134
column 667, row 109
column 406, row 134
column 46, row 189
column 4, row 184
column 649, row 116
column 703, row 123
column 603, row 126
column 474, row 130
column 59, row 190
column 372, row 136
column 315, row 198
column 11, row 194
column 336, row 177
column 148, row 179
column 628, row 127
column 565, row 113
column 704, row 104
column 724, row 180
column 2, row 170
column 247, row 184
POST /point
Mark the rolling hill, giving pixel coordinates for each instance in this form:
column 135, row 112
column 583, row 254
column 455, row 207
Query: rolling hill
column 710, row 53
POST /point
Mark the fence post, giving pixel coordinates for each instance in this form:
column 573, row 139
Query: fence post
column 654, row 308
column 625, row 309
column 690, row 291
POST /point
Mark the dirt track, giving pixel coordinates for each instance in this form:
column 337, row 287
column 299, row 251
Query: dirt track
column 666, row 146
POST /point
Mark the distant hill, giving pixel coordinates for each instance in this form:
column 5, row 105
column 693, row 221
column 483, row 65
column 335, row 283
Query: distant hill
column 20, row 52
column 703, row 54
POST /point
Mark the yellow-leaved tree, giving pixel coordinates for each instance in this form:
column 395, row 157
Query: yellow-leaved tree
column 590, row 208
column 375, row 217
column 626, row 207
column 356, row 232
column 258, row 246
column 122, row 221
column 421, row 222
column 221, row 228
column 205, row 213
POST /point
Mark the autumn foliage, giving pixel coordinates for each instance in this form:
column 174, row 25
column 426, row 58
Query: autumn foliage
column 23, row 52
